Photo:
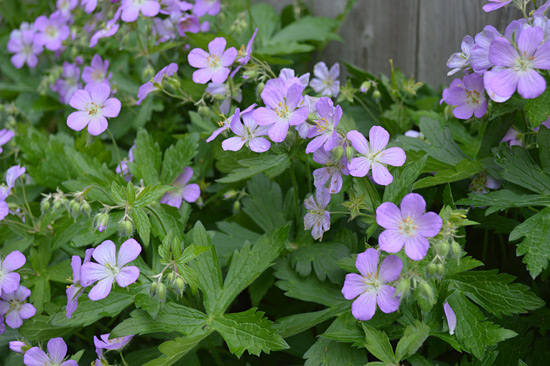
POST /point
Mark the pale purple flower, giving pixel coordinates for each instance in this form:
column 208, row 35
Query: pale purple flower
column 96, row 73
column 156, row 83
column 326, row 82
column 469, row 97
column 373, row 154
column 17, row 346
column 317, row 218
column 188, row 23
column 409, row 226
column 25, row 49
column 66, row 6
column 113, row 344
column 110, row 267
column 310, row 104
column 12, row 174
column 451, row 317
column 123, row 167
column 14, row 309
column 225, row 124
column 495, row 4
column 9, row 280
column 109, row 31
column 210, row 7
column 212, row 65
column 183, row 191
column 542, row 9
column 370, row 287
column 132, row 8
column 244, row 54
column 174, row 6
column 2, row 325
column 57, row 350
column 5, row 137
column 165, row 29
column 288, row 78
column 413, row 134
column 248, row 133
column 483, row 181
column 513, row 137
column 89, row 5
column 222, row 91
column 52, row 31
column 460, row 60
column 455, row 83
column 4, row 208
column 518, row 67
column 282, row 109
column 479, row 53
column 93, row 105
column 68, row 83
column 331, row 172
column 77, row 288
column 325, row 132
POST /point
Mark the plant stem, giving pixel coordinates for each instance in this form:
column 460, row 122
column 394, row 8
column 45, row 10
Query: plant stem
column 117, row 153
column 27, row 203
column 122, row 358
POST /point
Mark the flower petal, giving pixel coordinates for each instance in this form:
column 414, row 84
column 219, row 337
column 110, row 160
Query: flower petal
column 127, row 276
column 36, row 357
column 502, row 53
column 364, row 307
column 391, row 241
column 278, row 131
column 451, row 317
column 359, row 142
column 388, row 215
column 191, row 192
column 57, row 349
column 259, row 144
column 13, row 261
column 217, row 46
column 97, row 125
column 428, row 224
column 233, row 143
column 359, row 167
column 92, row 272
column 390, row 269
column 111, row 107
column 353, row 286
column 78, row 120
column 531, row 84
column 413, row 205
column 386, row 299
column 394, row 156
column 198, row 58
column 381, row 174
column 367, row 262
column 129, row 250
column 102, row 289
column 105, row 253
column 378, row 138
column 80, row 99
column 416, row 247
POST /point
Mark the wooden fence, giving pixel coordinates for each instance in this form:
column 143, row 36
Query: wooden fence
column 419, row 35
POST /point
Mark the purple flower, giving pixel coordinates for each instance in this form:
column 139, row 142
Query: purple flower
column 317, row 217
column 77, row 288
column 283, row 109
column 331, row 172
column 371, row 286
column 210, row 7
column 213, row 65
column 183, row 191
column 468, row 97
column 156, row 84
column 482, row 182
column 109, row 31
column 97, row 72
column 460, row 60
column 13, row 308
column 9, row 280
column 245, row 53
column 409, row 226
column 325, row 132
column 93, row 105
column 57, row 350
column 225, row 124
column 451, row 317
column 165, row 29
column 25, row 49
column 52, row 31
column 68, row 83
column 222, row 91
column 123, row 167
column 288, row 78
column 310, row 104
column 374, row 155
column 188, row 23
column 494, row 5
column 5, row 137
column 513, row 137
column 132, row 8
column 12, row 174
column 326, row 82
column 518, row 66
column 479, row 57
column 111, row 344
column 249, row 134
column 89, row 5
column 110, row 267
column 17, row 346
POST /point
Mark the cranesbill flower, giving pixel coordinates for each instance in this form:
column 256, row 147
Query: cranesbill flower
column 93, row 105
column 288, row 78
column 96, row 73
column 331, row 172
column 495, row 4
column 451, row 317
column 479, row 53
column 183, row 191
column 68, row 83
column 17, row 346
column 283, row 109
column 165, row 29
column 371, row 286
column 25, row 49
column 210, row 7
column 112, row 344
column 89, row 5
column 249, row 133
column 317, row 218
column 469, row 97
column 65, row 6
column 326, row 82
column 460, row 60
column 222, row 91
column 244, row 54
column 77, row 288
column 109, row 31
column 372, row 154
column 123, row 168
column 12, row 306
column 12, row 174
column 310, row 104
column 409, row 226
column 188, row 23
column 513, row 137
column 110, row 267
column 9, row 279
column 519, row 66
column 57, row 350
column 52, row 31
column 212, row 65
column 156, row 83
column 482, row 182
column 5, row 137
column 132, row 8
column 325, row 132
column 225, row 124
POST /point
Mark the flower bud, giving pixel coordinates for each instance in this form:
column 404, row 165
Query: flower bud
column 260, row 88
column 45, row 205
column 56, row 205
column 444, row 248
column 427, row 291
column 173, row 81
column 349, row 153
column 250, row 74
column 153, row 288
column 440, row 270
column 230, row 194
column 86, row 209
column 204, row 111
column 432, row 267
column 180, row 284
column 161, row 292
column 74, row 208
column 457, row 250
column 337, row 153
column 19, row 346
column 101, row 221
column 170, row 277
column 403, row 287
column 376, row 94
column 148, row 72
column 365, row 86
column 236, row 206
column 126, row 228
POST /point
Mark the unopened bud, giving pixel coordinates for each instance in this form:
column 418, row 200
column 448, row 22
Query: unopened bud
column 444, row 248
column 337, row 153
column 56, row 205
column 427, row 291
column 173, row 81
column 260, row 88
column 126, row 228
column 440, row 270
column 170, row 277
column 148, row 72
column 101, row 221
column 349, row 153
column 457, row 250
column 432, row 267
column 204, row 111
column 376, row 94
column 236, row 206
column 180, row 284
column 365, row 86
column 74, row 208
column 86, row 209
column 45, row 205
column 230, row 194
column 250, row 74
column 161, row 292
column 403, row 287
column 153, row 288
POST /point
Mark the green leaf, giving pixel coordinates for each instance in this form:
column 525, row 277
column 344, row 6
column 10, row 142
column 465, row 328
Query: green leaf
column 413, row 338
column 472, row 330
column 519, row 168
column 325, row 352
column 248, row 331
column 142, row 225
column 403, row 181
column 442, row 146
column 345, row 329
column 271, row 165
column 308, row 29
column 494, row 132
column 41, row 292
column 248, row 263
column 495, row 292
column 177, row 157
column 464, row 169
column 297, row 323
column 150, row 194
column 266, row 210
column 191, row 252
column 503, row 199
column 378, row 344
column 323, row 258
column 538, row 109
column 535, row 231
column 146, row 163
column 176, row 349
column 543, row 140
column 38, row 328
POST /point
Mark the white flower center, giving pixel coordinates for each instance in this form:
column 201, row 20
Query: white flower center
column 523, row 63
column 282, row 110
column 113, row 269
column 15, row 305
column 51, row 31
column 407, row 227
column 473, row 97
column 93, row 109
column 97, row 75
column 324, row 126
column 372, row 282
column 213, row 62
